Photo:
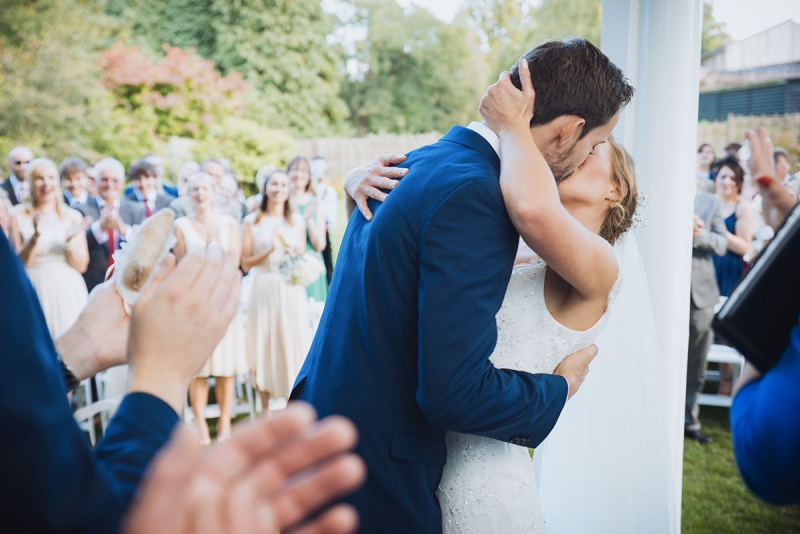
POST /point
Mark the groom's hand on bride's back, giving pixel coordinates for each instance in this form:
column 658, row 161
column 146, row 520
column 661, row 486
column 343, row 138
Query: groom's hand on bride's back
column 372, row 181
column 575, row 367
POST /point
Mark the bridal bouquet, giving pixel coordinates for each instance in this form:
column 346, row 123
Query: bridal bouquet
column 302, row 269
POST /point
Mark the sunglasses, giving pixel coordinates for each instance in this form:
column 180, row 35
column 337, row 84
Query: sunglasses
column 21, row 162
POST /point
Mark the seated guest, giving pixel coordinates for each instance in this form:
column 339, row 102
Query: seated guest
column 50, row 239
column 145, row 188
column 15, row 186
column 764, row 423
column 54, row 482
column 73, row 180
column 113, row 217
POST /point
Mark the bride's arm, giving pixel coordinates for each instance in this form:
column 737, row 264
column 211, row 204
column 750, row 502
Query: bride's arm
column 583, row 258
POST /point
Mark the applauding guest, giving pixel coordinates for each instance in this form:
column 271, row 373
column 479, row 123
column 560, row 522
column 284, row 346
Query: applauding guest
column 199, row 230
column 145, row 188
column 305, row 201
column 50, row 240
column 113, row 217
column 278, row 320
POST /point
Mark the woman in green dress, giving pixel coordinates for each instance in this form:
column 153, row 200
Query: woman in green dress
column 305, row 202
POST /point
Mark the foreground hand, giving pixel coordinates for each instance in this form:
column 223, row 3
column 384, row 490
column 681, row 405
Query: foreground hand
column 505, row 107
column 575, row 367
column 270, row 475
column 366, row 182
column 99, row 338
column 181, row 315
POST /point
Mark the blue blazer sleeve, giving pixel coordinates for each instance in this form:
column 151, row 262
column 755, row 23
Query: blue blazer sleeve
column 459, row 389
column 52, row 481
column 766, row 429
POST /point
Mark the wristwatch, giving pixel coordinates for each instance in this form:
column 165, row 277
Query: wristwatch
column 70, row 380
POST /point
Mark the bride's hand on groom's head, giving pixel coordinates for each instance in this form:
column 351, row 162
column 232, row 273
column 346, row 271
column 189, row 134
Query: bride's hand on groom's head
column 373, row 180
column 575, row 367
column 504, row 107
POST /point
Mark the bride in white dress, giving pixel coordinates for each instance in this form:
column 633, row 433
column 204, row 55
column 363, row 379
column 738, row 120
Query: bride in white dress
column 554, row 306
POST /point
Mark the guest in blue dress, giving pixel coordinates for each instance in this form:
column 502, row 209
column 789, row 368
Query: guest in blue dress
column 740, row 222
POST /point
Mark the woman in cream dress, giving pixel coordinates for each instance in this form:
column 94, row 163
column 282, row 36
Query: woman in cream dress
column 50, row 239
column 205, row 226
column 278, row 317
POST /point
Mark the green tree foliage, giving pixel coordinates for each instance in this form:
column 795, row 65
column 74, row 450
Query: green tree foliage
column 714, row 32
column 416, row 73
column 181, row 95
column 247, row 144
column 50, row 95
column 281, row 48
column 508, row 28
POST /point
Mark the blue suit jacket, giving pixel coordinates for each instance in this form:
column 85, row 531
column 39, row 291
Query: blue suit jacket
column 52, row 481
column 403, row 345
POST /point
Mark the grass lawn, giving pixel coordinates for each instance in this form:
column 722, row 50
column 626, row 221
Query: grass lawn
column 715, row 500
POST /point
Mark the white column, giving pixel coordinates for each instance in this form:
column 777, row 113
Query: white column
column 657, row 44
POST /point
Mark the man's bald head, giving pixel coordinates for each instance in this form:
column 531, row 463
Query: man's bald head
column 18, row 159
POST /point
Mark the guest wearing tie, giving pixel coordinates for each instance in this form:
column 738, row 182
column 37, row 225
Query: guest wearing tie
column 50, row 240
column 15, row 187
column 145, row 188
column 113, row 218
column 74, row 181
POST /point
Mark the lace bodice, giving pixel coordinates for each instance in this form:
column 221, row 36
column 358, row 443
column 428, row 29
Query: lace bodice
column 489, row 485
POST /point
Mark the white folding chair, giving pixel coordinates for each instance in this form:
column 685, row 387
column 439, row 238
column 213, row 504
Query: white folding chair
column 721, row 354
column 85, row 416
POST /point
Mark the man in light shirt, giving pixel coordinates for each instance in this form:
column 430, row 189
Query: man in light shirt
column 113, row 218
column 329, row 199
column 15, row 187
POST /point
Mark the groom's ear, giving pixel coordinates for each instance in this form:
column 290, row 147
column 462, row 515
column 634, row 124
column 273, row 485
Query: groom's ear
column 570, row 130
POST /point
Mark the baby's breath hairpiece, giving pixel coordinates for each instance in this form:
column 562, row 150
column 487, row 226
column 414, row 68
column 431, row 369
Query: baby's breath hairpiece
column 639, row 222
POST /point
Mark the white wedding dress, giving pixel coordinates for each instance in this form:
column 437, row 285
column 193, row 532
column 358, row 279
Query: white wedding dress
column 488, row 485
column 607, row 467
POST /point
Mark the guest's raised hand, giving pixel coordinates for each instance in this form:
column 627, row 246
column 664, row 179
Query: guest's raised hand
column 79, row 227
column 181, row 315
column 504, row 107
column 37, row 217
column 575, row 367
column 271, row 475
column 778, row 199
column 107, row 219
column 372, row 181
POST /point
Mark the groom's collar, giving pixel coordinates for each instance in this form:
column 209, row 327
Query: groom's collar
column 486, row 133
column 476, row 141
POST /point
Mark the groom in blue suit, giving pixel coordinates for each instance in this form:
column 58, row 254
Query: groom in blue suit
column 404, row 342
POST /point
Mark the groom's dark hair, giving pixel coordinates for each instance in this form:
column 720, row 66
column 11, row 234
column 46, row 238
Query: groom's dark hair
column 575, row 78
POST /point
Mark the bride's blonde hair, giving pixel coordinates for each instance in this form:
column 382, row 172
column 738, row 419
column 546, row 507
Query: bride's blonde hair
column 620, row 214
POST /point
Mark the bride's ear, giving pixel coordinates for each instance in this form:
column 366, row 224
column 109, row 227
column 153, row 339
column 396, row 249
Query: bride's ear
column 615, row 194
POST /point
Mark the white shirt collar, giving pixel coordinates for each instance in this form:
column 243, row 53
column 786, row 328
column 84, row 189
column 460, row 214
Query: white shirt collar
column 14, row 181
column 101, row 203
column 485, row 132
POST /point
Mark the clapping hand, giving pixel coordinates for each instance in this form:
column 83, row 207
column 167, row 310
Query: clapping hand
column 271, row 475
column 79, row 227
column 37, row 217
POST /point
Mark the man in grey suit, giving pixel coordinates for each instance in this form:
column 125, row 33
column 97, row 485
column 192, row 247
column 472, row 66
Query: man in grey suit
column 112, row 219
column 710, row 237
